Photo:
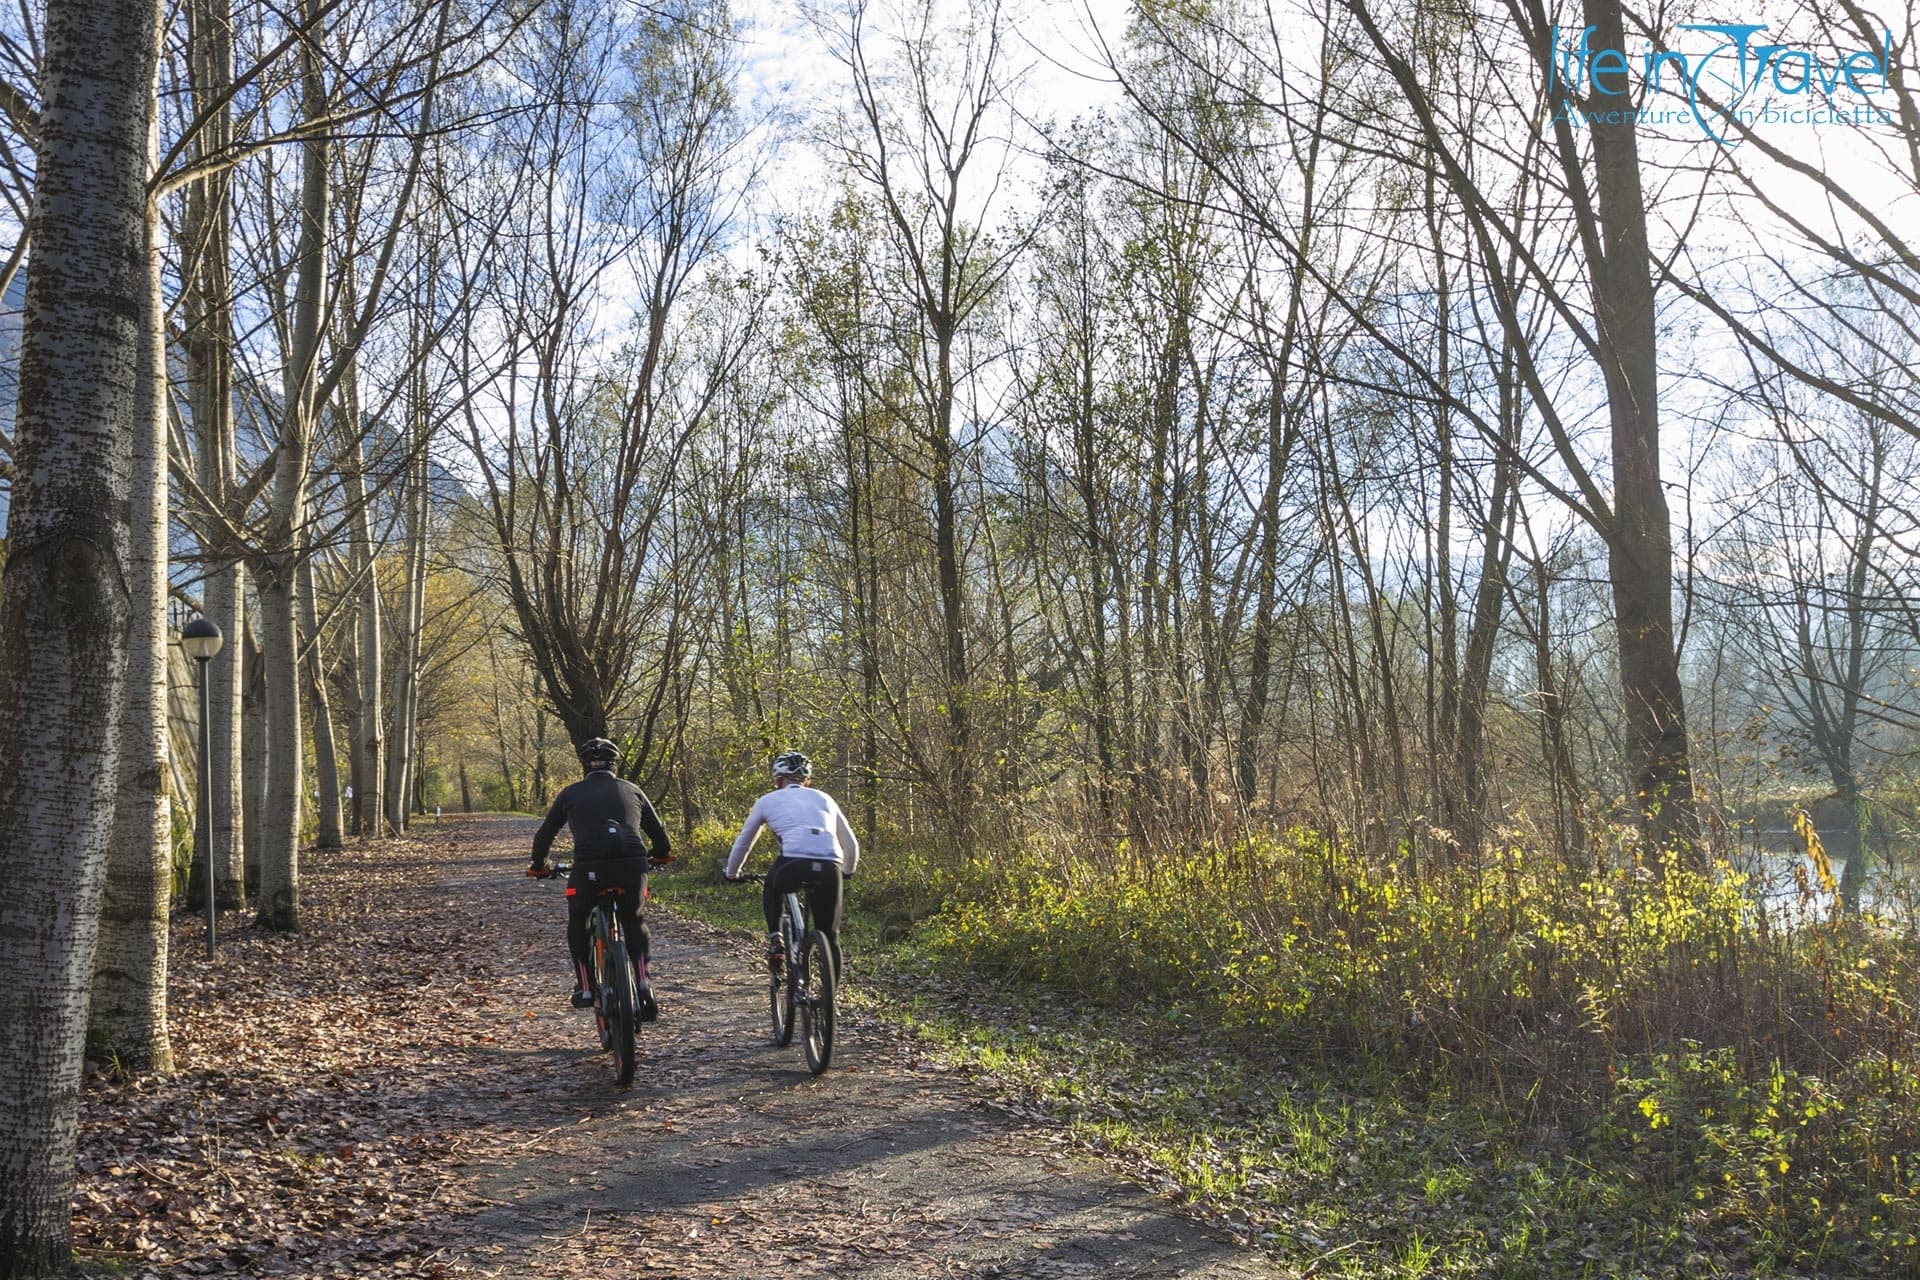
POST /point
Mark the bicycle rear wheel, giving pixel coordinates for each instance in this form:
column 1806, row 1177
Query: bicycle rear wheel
column 816, row 1004
column 621, row 1002
column 780, row 991
column 600, row 942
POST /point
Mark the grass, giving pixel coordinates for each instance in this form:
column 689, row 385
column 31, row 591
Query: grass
column 1519, row 1072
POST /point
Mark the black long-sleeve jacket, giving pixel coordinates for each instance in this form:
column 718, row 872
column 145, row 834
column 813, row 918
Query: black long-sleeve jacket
column 607, row 816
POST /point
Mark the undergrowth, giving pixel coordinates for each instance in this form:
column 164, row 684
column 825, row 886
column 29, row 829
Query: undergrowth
column 1517, row 1069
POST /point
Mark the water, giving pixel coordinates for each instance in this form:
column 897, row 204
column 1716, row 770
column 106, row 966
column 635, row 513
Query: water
column 1783, row 877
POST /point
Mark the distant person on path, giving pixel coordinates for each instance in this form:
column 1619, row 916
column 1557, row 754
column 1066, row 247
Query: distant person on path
column 607, row 816
column 817, row 850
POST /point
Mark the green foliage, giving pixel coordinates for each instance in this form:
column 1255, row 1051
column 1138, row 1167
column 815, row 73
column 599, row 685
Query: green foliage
column 495, row 794
column 1739, row 1076
column 1814, row 1163
column 1106, row 937
column 1299, row 939
column 712, row 840
column 435, row 787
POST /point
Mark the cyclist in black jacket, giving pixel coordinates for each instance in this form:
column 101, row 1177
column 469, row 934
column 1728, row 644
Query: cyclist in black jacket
column 608, row 816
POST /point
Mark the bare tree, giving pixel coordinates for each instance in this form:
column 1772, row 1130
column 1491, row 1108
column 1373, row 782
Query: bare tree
column 71, row 560
column 1815, row 578
column 420, row 43
column 928, row 120
column 414, row 494
column 580, row 451
column 1603, row 194
column 1819, row 208
column 207, row 341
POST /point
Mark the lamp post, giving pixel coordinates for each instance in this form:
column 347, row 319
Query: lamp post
column 201, row 639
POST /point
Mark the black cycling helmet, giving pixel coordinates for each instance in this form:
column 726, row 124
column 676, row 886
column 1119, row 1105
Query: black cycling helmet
column 598, row 753
column 792, row 764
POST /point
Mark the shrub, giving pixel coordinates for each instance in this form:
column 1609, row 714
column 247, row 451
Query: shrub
column 1811, row 1160
column 1522, row 973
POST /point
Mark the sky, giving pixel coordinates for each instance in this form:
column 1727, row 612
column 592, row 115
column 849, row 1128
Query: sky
column 790, row 70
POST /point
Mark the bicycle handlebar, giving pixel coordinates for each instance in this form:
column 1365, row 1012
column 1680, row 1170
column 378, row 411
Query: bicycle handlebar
column 562, row 868
column 755, row 877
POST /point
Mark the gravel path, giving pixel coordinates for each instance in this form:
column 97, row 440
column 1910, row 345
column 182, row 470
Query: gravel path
column 727, row 1159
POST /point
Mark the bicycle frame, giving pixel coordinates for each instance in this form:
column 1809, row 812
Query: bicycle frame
column 806, row 986
column 616, row 1004
column 610, row 972
column 799, row 924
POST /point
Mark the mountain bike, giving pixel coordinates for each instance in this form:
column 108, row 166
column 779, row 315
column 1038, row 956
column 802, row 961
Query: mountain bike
column 616, row 1000
column 801, row 981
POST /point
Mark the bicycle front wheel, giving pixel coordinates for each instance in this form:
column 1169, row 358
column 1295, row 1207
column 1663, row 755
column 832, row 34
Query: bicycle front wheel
column 816, row 1005
column 780, row 991
column 621, row 1000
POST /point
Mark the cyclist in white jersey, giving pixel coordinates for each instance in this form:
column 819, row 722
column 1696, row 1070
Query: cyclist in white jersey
column 817, row 850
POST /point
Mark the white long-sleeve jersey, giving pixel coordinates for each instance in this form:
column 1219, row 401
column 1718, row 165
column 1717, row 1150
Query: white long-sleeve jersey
column 808, row 823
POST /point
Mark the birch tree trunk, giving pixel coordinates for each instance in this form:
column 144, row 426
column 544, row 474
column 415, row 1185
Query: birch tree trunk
column 129, row 1016
column 64, row 597
column 407, row 709
column 366, row 712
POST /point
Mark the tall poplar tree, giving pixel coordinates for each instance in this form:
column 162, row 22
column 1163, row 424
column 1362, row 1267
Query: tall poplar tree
column 66, row 592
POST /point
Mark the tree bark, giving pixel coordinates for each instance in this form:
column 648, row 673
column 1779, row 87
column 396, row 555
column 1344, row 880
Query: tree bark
column 65, row 590
column 369, row 740
column 1640, row 542
column 276, row 577
column 253, row 756
column 279, row 821
column 129, row 1015
column 1467, row 819
column 401, row 763
column 226, row 765
column 326, row 758
column 207, row 345
column 352, row 723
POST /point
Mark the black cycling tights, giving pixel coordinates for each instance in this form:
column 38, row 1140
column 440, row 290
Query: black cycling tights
column 822, row 882
column 583, row 888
